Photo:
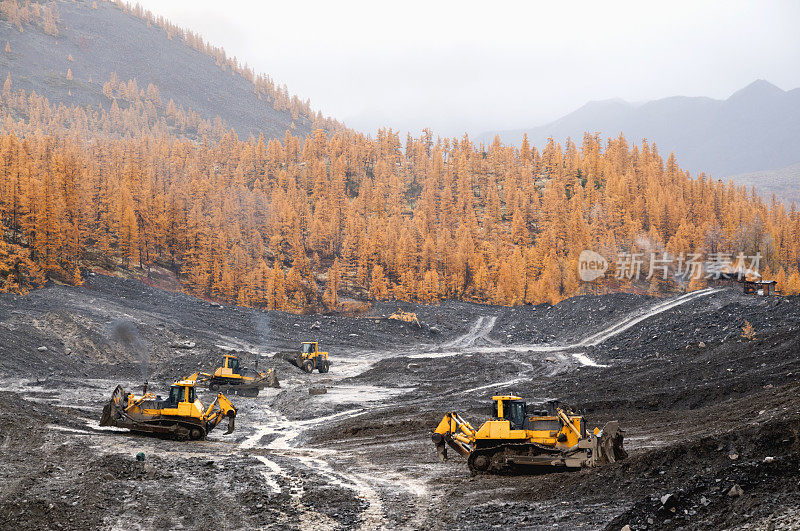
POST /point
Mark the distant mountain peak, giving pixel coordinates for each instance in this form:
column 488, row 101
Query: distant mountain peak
column 755, row 128
column 758, row 88
column 610, row 102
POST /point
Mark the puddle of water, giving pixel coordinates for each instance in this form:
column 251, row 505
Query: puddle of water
column 269, row 475
column 586, row 361
column 361, row 394
column 492, row 385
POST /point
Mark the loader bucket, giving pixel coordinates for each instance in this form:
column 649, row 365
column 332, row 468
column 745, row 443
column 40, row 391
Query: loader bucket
column 610, row 447
column 272, row 379
column 292, row 357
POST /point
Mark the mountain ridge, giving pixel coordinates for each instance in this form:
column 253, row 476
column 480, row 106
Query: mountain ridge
column 755, row 129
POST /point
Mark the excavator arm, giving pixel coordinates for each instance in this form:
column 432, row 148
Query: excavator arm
column 455, row 432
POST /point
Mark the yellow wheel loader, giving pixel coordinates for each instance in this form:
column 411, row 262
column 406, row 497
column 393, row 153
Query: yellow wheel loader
column 517, row 439
column 181, row 415
column 233, row 378
column 309, row 357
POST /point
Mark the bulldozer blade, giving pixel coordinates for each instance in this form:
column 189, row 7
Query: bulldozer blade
column 108, row 415
column 610, row 448
column 114, row 410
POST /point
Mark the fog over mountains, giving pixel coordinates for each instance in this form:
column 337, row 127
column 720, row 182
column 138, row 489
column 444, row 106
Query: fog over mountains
column 755, row 130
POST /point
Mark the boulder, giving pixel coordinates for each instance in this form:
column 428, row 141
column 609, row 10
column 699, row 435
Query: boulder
column 186, row 344
column 735, row 491
column 669, row 500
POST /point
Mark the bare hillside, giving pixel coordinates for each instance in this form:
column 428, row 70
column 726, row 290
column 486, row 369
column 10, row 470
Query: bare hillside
column 783, row 182
column 92, row 42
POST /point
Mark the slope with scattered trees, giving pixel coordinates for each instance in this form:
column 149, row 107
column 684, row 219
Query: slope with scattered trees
column 69, row 51
column 756, row 129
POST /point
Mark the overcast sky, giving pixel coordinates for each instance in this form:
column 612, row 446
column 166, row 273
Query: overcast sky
column 462, row 66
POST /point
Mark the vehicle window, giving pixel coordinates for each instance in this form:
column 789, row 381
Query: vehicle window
column 192, row 394
column 516, row 414
column 175, row 394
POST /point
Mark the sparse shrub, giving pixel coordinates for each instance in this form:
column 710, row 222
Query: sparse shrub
column 748, row 332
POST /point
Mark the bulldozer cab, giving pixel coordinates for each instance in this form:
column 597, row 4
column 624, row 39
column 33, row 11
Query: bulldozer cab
column 516, row 413
column 181, row 393
column 176, row 394
column 512, row 409
column 232, row 363
column 309, row 348
column 182, row 397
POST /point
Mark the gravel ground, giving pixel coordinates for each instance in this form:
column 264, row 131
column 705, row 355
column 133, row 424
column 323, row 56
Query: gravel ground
column 711, row 419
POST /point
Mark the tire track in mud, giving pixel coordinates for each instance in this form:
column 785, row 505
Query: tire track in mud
column 366, row 486
column 483, row 327
column 367, row 483
column 592, row 341
column 630, row 321
column 479, row 331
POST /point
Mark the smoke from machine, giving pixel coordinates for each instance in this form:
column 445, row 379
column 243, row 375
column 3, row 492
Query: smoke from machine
column 261, row 326
column 126, row 333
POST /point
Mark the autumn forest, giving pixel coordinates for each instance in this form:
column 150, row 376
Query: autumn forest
column 317, row 222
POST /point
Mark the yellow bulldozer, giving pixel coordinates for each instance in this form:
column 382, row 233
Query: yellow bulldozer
column 516, row 439
column 309, row 357
column 233, row 378
column 181, row 415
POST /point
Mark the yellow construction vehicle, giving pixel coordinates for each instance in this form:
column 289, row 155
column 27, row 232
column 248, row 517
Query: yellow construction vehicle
column 309, row 357
column 233, row 378
column 514, row 440
column 181, row 415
